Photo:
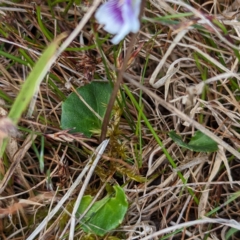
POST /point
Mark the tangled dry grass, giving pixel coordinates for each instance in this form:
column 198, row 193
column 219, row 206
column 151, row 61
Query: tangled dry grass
column 184, row 73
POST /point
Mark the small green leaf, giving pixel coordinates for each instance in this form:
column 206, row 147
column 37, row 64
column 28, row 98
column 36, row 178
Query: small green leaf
column 203, row 143
column 230, row 233
column 198, row 143
column 105, row 215
column 177, row 139
column 78, row 116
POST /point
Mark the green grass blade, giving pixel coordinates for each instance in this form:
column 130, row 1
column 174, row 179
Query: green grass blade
column 31, row 84
column 171, row 161
column 16, row 59
column 44, row 30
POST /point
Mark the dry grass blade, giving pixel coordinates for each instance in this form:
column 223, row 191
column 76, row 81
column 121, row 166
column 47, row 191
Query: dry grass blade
column 227, row 222
column 16, row 160
column 159, row 83
column 184, row 117
column 97, row 154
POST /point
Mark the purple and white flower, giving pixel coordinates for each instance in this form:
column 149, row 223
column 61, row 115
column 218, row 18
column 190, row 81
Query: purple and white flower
column 119, row 17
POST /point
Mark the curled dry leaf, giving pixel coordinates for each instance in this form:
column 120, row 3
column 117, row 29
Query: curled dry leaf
column 62, row 136
column 7, row 127
column 183, row 25
column 10, row 210
column 131, row 58
column 38, row 200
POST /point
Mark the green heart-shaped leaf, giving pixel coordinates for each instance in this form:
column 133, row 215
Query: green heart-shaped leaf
column 85, row 116
column 106, row 214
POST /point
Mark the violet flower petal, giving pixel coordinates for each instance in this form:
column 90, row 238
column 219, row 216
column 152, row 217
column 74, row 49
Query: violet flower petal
column 110, row 15
column 119, row 17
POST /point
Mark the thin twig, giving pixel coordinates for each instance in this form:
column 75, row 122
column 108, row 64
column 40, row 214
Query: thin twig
column 118, row 82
